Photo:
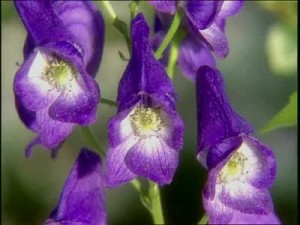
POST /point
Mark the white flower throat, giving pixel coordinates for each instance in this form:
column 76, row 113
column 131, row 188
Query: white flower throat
column 233, row 169
column 246, row 162
column 145, row 121
column 59, row 73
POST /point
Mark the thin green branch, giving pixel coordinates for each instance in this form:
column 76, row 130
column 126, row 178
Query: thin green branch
column 109, row 9
column 203, row 220
column 155, row 204
column 108, row 102
column 174, row 52
column 169, row 36
column 90, row 137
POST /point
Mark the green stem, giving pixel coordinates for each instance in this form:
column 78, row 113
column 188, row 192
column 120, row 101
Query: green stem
column 155, row 204
column 109, row 9
column 171, row 32
column 133, row 5
column 90, row 137
column 108, row 102
column 203, row 220
column 174, row 52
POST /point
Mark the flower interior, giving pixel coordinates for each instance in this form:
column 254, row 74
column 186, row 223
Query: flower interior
column 233, row 169
column 59, row 73
column 146, row 121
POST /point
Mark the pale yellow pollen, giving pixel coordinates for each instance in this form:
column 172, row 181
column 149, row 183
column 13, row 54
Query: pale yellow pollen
column 146, row 121
column 59, row 73
column 233, row 169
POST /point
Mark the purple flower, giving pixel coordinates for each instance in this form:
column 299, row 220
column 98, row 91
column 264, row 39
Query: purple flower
column 242, row 218
column 193, row 53
column 82, row 201
column 147, row 133
column 54, row 88
column 204, row 24
column 241, row 169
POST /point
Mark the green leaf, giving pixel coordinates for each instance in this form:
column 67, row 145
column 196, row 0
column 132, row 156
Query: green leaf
column 133, row 6
column 121, row 26
column 286, row 117
column 123, row 57
column 281, row 47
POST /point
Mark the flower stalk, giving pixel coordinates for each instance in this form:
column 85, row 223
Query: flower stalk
column 155, row 204
column 203, row 220
column 90, row 137
column 109, row 9
column 169, row 36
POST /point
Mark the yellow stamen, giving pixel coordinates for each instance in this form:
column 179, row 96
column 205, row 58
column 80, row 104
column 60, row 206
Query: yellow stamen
column 146, row 121
column 59, row 73
column 233, row 168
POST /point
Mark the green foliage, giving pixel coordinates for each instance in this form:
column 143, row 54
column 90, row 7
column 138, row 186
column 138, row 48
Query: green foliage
column 281, row 47
column 122, row 56
column 286, row 117
column 133, row 6
column 121, row 26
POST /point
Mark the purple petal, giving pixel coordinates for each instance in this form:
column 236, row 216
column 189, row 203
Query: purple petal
column 164, row 6
column 119, row 128
column 123, row 137
column 247, row 199
column 222, row 150
column 33, row 91
column 76, row 105
column 192, row 55
column 27, row 117
column 201, row 14
column 41, row 22
column 266, row 171
column 221, row 22
column 82, row 200
column 173, row 125
column 144, row 74
column 153, row 159
column 216, row 211
column 216, row 119
column 85, row 22
column 216, row 39
column 230, row 8
column 51, row 132
column 116, row 172
column 243, row 218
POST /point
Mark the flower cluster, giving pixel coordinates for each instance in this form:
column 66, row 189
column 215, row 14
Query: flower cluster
column 204, row 26
column 55, row 89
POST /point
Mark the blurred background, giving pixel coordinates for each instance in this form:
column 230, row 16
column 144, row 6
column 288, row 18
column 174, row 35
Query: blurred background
column 31, row 187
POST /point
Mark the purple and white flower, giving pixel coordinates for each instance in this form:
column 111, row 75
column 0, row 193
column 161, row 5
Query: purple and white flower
column 241, row 169
column 147, row 133
column 205, row 28
column 82, row 201
column 54, row 88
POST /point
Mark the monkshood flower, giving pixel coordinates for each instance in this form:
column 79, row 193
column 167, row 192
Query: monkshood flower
column 241, row 168
column 82, row 201
column 147, row 133
column 54, row 88
column 205, row 27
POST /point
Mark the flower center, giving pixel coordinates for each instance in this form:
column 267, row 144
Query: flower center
column 233, row 168
column 59, row 73
column 146, row 121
